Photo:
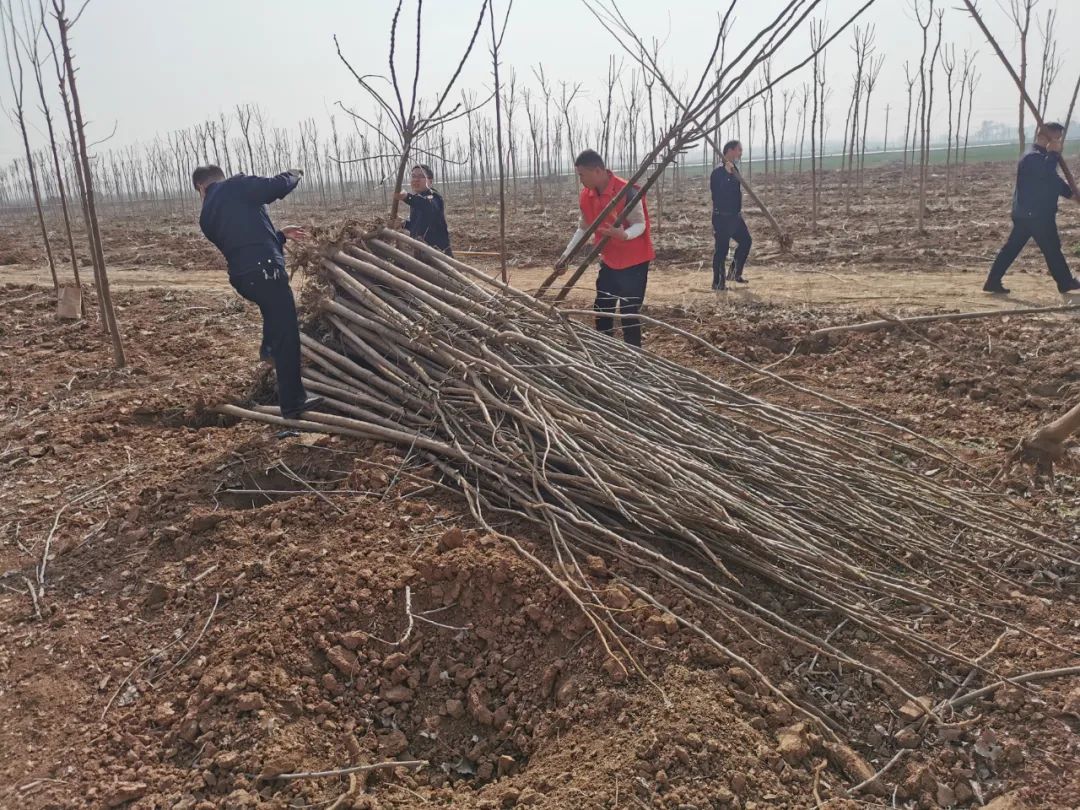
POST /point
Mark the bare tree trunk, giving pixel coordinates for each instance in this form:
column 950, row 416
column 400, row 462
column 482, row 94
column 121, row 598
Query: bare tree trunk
column 1020, row 11
column 496, row 43
column 60, row 190
column 873, row 72
column 817, row 35
column 84, row 159
column 802, row 125
column 924, row 125
column 1051, row 64
column 925, row 173
column 948, row 63
column 972, row 84
column 885, row 139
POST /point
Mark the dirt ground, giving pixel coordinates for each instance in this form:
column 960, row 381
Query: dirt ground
column 219, row 607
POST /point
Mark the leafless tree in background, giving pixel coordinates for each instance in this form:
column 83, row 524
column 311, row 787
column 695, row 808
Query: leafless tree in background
column 14, row 59
column 496, row 44
column 1051, row 62
column 77, row 123
column 1020, row 12
column 409, row 123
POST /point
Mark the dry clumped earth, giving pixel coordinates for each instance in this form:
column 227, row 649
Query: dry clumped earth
column 222, row 607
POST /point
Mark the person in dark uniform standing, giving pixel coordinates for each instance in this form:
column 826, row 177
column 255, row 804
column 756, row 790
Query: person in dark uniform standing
column 234, row 217
column 427, row 216
column 1034, row 212
column 727, row 219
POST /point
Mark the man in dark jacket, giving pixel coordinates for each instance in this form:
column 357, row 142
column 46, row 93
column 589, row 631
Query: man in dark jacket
column 727, row 219
column 427, row 217
column 235, row 219
column 1034, row 212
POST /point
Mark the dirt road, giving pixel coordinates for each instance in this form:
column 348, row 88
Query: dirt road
column 774, row 282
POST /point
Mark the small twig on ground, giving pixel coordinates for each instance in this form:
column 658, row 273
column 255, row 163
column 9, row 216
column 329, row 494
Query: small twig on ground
column 157, row 655
column 187, row 652
column 817, row 779
column 411, row 618
column 888, row 765
column 412, row 763
column 1042, row 675
column 56, row 522
column 305, row 484
column 33, row 595
column 870, row 326
column 205, row 573
column 978, row 661
column 910, row 330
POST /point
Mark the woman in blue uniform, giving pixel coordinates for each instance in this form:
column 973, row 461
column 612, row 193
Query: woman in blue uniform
column 427, row 213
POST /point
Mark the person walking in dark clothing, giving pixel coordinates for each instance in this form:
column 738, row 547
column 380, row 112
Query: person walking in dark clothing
column 427, row 216
column 234, row 217
column 727, row 219
column 1034, row 212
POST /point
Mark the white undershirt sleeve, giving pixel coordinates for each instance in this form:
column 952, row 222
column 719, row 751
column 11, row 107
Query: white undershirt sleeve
column 635, row 222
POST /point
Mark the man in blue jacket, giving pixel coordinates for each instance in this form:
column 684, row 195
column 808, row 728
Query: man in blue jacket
column 1034, row 212
column 235, row 219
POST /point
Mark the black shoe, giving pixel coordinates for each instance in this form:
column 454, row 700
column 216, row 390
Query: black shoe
column 721, row 287
column 1074, row 286
column 995, row 289
column 740, row 280
column 309, row 404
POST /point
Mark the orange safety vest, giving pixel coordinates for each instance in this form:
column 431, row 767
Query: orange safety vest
column 617, row 255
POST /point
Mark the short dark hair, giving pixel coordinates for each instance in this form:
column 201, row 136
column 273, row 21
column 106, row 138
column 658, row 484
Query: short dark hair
column 428, row 173
column 1052, row 128
column 729, row 146
column 590, row 159
column 206, row 174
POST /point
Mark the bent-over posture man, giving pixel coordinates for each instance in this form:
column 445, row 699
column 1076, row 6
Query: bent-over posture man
column 427, row 217
column 1034, row 212
column 625, row 257
column 727, row 219
column 235, row 219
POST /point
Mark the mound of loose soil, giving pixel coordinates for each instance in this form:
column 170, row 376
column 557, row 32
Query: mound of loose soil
column 220, row 607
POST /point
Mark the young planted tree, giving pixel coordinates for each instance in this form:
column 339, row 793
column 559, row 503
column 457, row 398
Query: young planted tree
column 532, row 115
column 605, row 108
column 817, row 37
column 1051, row 62
column 545, row 91
column 77, row 125
column 510, row 102
column 496, row 44
column 965, row 77
column 787, row 97
column 924, row 107
column 802, row 124
column 863, row 49
column 14, row 59
column 948, row 65
column 39, row 25
column 410, row 122
column 1020, row 11
column 873, row 72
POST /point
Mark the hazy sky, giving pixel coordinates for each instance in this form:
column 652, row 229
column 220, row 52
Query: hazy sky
column 151, row 66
